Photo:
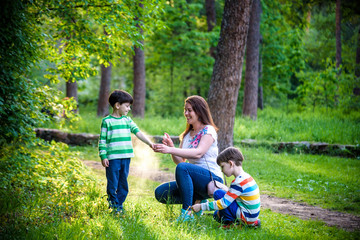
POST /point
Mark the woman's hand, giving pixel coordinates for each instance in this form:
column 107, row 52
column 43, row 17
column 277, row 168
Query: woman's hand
column 162, row 148
column 167, row 140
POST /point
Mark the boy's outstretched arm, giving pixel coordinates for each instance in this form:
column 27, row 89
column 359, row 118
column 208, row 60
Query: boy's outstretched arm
column 145, row 139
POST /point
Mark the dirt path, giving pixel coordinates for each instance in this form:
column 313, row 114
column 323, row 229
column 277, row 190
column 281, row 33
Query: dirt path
column 280, row 205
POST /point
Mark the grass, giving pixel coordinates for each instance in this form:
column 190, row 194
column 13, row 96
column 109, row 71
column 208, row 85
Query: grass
column 318, row 180
column 273, row 125
column 276, row 125
column 85, row 215
column 327, row 182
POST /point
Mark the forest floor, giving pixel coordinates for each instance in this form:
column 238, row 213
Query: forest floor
column 284, row 206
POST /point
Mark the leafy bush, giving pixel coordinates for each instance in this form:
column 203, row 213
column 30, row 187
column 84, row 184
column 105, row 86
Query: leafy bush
column 44, row 183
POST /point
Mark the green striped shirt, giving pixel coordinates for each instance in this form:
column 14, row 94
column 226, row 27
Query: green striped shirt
column 115, row 137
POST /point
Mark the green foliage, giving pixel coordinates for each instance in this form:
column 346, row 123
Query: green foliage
column 280, row 58
column 44, row 185
column 80, row 35
column 179, row 63
column 18, row 52
column 327, row 88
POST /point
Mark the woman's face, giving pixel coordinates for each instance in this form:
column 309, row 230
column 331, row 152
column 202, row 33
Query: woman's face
column 190, row 115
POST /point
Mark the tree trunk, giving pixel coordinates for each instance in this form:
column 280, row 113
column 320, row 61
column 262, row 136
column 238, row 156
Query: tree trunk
column 138, row 109
column 356, row 90
column 226, row 78
column 104, row 92
column 252, row 63
column 139, row 83
column 71, row 91
column 210, row 19
column 338, row 33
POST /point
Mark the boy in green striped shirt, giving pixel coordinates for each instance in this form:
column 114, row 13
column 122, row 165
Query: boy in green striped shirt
column 115, row 147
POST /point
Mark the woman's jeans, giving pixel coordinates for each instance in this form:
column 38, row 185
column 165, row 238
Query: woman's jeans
column 190, row 185
column 117, row 185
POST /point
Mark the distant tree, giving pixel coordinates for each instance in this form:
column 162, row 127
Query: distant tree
column 356, row 90
column 226, row 78
column 338, row 33
column 138, row 109
column 252, row 63
column 210, row 19
column 72, row 91
column 104, row 91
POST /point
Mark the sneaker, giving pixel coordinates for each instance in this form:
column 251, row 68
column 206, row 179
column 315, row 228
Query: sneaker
column 230, row 226
column 119, row 212
column 185, row 216
column 257, row 223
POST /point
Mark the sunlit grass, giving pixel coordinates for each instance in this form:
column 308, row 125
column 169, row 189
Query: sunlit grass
column 328, row 182
column 272, row 125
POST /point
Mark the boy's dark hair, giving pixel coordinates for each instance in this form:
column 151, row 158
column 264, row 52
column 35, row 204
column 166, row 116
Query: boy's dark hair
column 121, row 97
column 232, row 154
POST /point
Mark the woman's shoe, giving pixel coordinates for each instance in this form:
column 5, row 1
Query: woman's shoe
column 185, row 216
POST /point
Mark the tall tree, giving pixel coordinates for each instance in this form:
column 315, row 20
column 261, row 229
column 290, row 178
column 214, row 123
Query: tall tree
column 104, row 91
column 226, row 78
column 210, row 19
column 139, row 75
column 72, row 90
column 252, row 63
column 338, row 33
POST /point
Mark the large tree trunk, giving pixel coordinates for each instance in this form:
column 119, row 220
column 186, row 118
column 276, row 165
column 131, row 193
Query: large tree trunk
column 104, row 92
column 252, row 63
column 71, row 91
column 139, row 79
column 210, row 19
column 226, row 78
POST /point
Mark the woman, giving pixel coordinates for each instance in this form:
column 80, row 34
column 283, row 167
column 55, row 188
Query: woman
column 195, row 159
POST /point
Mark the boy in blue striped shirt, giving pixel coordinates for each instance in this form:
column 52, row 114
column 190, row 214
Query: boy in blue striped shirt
column 241, row 203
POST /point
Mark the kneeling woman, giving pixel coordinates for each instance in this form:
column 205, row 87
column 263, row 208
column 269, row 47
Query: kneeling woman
column 195, row 159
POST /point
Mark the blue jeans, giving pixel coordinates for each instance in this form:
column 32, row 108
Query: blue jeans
column 227, row 215
column 190, row 185
column 117, row 185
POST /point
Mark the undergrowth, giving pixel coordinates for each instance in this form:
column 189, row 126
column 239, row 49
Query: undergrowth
column 47, row 193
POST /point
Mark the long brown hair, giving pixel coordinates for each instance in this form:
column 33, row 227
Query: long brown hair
column 201, row 108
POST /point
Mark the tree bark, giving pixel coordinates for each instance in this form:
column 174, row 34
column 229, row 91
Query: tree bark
column 338, row 33
column 104, row 92
column 139, row 91
column 250, row 103
column 211, row 20
column 139, row 83
column 356, row 90
column 226, row 78
column 72, row 91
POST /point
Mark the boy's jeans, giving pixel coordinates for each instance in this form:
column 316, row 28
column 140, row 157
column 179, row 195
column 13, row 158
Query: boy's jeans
column 227, row 215
column 117, row 185
column 190, row 185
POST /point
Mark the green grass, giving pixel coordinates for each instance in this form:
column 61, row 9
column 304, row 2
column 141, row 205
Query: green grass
column 80, row 210
column 319, row 180
column 273, row 125
column 276, row 125
column 327, row 182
